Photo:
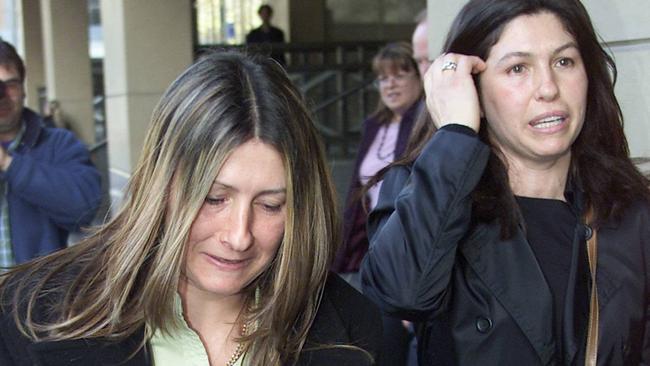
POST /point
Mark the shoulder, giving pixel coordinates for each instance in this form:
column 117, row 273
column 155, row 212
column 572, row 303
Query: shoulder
column 56, row 144
column 45, row 282
column 13, row 343
column 61, row 136
column 348, row 302
column 371, row 120
column 635, row 216
column 345, row 317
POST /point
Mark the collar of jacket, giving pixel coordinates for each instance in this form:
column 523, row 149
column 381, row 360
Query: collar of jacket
column 33, row 129
column 522, row 288
column 91, row 352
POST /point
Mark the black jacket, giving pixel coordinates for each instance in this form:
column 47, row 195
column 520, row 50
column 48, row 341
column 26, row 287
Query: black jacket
column 483, row 300
column 344, row 317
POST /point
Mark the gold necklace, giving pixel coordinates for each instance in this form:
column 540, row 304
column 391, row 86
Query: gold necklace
column 240, row 348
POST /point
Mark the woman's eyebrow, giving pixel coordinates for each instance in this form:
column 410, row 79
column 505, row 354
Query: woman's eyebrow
column 271, row 191
column 522, row 54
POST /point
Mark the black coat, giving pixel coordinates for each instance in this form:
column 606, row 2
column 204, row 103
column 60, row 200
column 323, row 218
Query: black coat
column 344, row 317
column 483, row 300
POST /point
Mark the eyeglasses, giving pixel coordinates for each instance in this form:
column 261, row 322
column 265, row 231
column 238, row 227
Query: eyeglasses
column 11, row 86
column 399, row 78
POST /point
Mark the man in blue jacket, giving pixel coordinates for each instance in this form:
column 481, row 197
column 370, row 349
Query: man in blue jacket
column 48, row 185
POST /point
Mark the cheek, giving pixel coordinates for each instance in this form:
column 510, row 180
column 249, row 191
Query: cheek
column 579, row 90
column 269, row 234
column 502, row 104
column 383, row 92
column 203, row 227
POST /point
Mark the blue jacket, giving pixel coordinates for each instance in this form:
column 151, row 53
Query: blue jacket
column 52, row 189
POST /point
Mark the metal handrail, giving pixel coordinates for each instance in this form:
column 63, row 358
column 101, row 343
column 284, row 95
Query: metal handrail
column 98, row 145
column 334, row 99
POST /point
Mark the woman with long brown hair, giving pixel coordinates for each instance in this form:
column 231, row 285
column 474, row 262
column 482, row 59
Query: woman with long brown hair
column 519, row 230
column 220, row 253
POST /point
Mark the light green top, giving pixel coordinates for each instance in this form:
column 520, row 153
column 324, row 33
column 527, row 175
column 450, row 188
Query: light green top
column 183, row 348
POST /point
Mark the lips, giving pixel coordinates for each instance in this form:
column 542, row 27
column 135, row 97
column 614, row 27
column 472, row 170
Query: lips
column 227, row 263
column 548, row 121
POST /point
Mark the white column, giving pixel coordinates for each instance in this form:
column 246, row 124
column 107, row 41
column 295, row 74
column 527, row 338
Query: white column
column 148, row 43
column 32, row 51
column 67, row 62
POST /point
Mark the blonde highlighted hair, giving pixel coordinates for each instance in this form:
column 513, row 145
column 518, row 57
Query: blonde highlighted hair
column 123, row 277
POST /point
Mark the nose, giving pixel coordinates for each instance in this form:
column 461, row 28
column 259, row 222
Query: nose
column 547, row 88
column 239, row 236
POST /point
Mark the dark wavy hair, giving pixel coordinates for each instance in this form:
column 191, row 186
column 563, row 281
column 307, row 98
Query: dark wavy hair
column 600, row 163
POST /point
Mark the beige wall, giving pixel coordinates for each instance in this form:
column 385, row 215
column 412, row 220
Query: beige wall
column 67, row 62
column 147, row 44
column 625, row 27
column 307, row 21
column 32, row 51
column 281, row 16
column 370, row 20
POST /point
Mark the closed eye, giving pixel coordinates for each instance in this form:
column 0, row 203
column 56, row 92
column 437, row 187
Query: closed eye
column 271, row 208
column 214, row 201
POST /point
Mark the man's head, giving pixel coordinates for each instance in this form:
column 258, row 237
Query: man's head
column 420, row 43
column 266, row 13
column 12, row 92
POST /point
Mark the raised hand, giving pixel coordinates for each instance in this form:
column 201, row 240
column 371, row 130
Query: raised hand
column 451, row 95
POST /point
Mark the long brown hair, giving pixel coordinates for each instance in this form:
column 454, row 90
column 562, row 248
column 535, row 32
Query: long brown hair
column 600, row 163
column 124, row 277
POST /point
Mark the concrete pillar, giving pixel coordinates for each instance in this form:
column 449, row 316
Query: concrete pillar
column 67, row 63
column 32, row 51
column 148, row 43
column 625, row 29
column 281, row 17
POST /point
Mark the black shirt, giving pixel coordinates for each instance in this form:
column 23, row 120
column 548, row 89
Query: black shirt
column 550, row 229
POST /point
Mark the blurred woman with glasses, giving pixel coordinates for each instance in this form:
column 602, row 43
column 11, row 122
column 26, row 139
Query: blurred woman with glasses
column 384, row 137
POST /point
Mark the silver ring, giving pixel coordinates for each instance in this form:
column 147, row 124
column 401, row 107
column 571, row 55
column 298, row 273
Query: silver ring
column 449, row 65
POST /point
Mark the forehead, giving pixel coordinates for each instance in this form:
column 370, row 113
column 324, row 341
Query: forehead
column 8, row 71
column 393, row 66
column 536, row 33
column 254, row 165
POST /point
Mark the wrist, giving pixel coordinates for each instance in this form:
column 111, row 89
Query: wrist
column 460, row 128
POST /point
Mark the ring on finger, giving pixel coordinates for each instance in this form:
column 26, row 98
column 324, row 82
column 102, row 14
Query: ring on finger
column 449, row 65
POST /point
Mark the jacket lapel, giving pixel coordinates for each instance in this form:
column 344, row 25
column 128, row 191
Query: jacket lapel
column 85, row 352
column 511, row 272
